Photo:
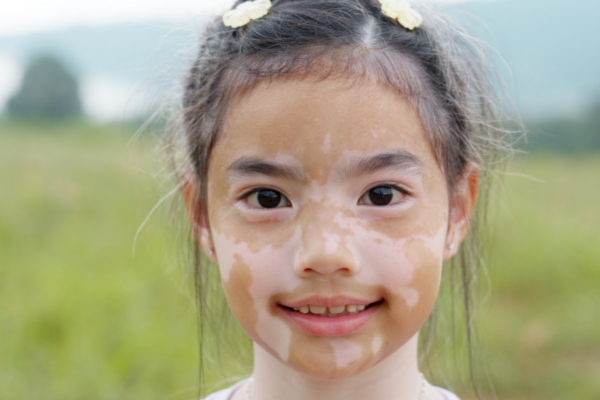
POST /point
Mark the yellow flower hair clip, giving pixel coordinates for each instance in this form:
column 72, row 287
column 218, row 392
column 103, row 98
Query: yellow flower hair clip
column 401, row 11
column 246, row 12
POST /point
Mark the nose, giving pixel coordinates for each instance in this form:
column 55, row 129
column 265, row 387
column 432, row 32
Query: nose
column 325, row 251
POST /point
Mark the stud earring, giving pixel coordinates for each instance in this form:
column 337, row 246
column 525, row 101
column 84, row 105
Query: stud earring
column 209, row 252
column 451, row 246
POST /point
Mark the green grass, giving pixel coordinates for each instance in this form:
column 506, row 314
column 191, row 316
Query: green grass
column 543, row 318
column 82, row 318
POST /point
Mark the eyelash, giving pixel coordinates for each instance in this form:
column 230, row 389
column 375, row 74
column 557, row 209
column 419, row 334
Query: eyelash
column 244, row 197
column 404, row 192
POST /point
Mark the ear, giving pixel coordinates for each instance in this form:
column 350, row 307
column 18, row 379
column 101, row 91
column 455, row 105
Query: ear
column 190, row 188
column 461, row 210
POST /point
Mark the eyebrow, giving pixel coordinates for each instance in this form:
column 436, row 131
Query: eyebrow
column 250, row 166
column 399, row 160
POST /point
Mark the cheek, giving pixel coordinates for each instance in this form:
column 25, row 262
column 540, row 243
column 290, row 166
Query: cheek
column 250, row 279
column 408, row 267
column 409, row 271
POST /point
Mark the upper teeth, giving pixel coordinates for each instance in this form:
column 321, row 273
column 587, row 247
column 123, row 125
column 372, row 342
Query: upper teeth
column 332, row 310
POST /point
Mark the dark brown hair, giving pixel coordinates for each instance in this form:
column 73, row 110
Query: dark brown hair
column 441, row 69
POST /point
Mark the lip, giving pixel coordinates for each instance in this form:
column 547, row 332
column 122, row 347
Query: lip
column 329, row 326
column 326, row 301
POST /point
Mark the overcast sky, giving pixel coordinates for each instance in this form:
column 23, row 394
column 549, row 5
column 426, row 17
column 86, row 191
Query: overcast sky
column 26, row 16
column 104, row 98
column 20, row 17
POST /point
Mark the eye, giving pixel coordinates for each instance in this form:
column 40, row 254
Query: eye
column 382, row 196
column 267, row 198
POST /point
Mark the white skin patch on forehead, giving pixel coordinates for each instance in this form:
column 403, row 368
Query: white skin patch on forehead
column 288, row 159
column 346, row 352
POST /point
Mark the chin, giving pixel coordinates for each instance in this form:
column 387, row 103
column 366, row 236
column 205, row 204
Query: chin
column 321, row 362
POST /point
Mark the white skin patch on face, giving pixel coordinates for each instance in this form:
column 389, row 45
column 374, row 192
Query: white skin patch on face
column 410, row 296
column 256, row 217
column 332, row 242
column 315, row 191
column 346, row 352
column 265, row 268
column 373, row 248
column 377, row 343
column 273, row 331
column 436, row 242
column 260, row 260
column 288, row 159
column 326, row 148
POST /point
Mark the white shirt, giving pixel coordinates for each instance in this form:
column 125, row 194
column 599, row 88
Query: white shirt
column 225, row 394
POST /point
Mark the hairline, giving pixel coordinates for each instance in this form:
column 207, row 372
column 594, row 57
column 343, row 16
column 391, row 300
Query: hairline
column 240, row 82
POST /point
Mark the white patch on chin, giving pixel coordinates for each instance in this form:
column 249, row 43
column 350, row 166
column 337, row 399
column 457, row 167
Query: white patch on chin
column 346, row 352
column 274, row 333
column 376, row 345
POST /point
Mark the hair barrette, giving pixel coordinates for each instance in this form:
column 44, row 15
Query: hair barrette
column 246, row 12
column 401, row 11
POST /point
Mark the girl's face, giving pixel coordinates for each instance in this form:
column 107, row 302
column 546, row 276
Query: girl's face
column 328, row 214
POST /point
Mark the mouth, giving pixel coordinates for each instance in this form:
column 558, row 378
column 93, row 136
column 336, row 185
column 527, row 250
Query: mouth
column 324, row 319
column 332, row 312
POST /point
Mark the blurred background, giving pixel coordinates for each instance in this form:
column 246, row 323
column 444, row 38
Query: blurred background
column 94, row 301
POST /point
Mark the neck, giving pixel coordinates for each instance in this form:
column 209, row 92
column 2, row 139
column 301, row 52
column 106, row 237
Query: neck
column 395, row 377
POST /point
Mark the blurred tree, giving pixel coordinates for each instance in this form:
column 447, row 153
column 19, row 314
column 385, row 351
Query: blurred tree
column 48, row 91
column 567, row 135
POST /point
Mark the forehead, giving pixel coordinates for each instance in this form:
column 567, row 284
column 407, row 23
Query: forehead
column 318, row 122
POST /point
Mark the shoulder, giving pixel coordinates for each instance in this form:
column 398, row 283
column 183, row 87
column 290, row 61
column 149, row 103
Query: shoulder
column 224, row 394
column 447, row 394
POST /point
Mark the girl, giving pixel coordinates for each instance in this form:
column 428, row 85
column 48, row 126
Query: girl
column 332, row 155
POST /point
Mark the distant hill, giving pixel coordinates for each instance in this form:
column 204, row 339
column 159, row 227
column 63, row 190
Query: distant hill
column 550, row 46
column 125, row 51
column 122, row 67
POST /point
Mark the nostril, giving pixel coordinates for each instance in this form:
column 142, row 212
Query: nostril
column 326, row 270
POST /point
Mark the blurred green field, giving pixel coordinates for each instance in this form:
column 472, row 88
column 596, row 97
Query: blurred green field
column 82, row 318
